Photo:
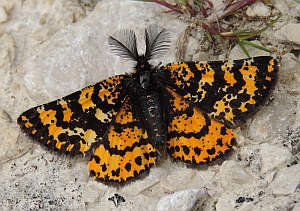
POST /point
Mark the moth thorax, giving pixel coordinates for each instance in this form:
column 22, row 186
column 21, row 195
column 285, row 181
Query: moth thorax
column 145, row 80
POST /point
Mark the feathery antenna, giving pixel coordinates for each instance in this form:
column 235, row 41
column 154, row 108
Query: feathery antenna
column 123, row 44
column 157, row 42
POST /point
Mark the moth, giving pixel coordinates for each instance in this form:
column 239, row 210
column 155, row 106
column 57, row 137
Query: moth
column 187, row 108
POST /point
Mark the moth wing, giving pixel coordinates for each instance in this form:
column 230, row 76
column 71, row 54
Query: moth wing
column 230, row 91
column 74, row 124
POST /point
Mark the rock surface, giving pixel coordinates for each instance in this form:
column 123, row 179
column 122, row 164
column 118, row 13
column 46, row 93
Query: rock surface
column 52, row 48
column 180, row 201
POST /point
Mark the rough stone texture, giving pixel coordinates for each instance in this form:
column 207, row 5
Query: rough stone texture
column 3, row 15
column 7, row 55
column 270, row 162
column 281, row 6
column 52, row 48
column 260, row 9
column 7, row 5
column 289, row 32
column 286, row 184
column 231, row 174
column 296, row 207
column 180, row 201
column 226, row 202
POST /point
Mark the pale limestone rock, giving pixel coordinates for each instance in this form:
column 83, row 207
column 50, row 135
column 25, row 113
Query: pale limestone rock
column 7, row 5
column 182, row 200
column 135, row 188
column 178, row 177
column 261, row 10
column 42, row 33
column 296, row 120
column 233, row 175
column 286, row 184
column 3, row 15
column 281, row 6
column 7, row 53
column 274, row 203
column 192, row 46
column 273, row 157
column 216, row 3
column 287, row 77
column 12, row 145
column 200, row 56
column 5, row 117
column 289, row 32
column 226, row 202
column 250, row 12
column 247, row 207
column 91, row 193
column 296, row 207
column 255, row 165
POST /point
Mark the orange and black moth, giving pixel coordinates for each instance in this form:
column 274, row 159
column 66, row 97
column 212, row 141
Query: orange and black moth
column 187, row 108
